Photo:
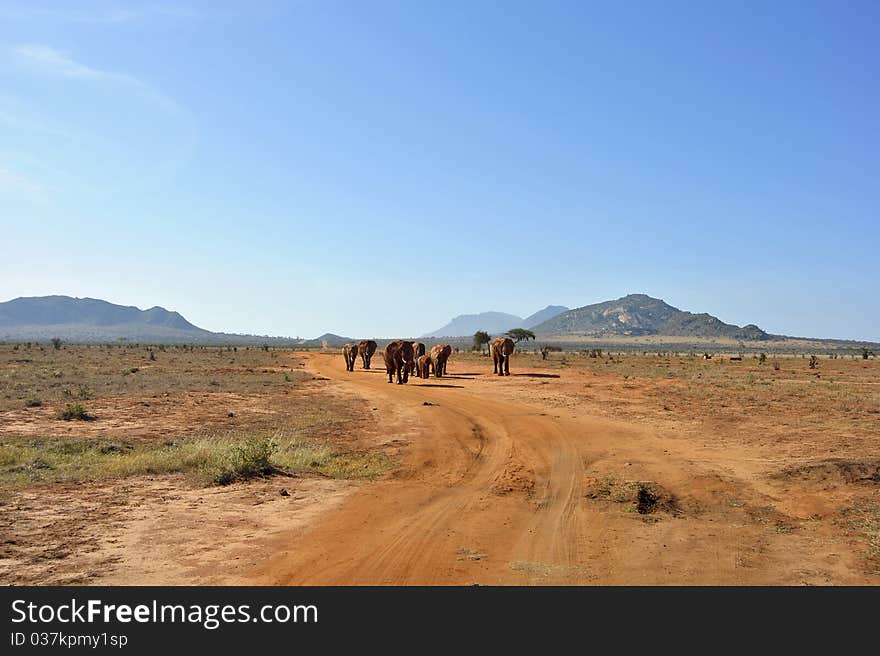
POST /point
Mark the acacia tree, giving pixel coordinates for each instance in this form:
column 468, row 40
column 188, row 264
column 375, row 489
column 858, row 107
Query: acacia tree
column 481, row 337
column 520, row 334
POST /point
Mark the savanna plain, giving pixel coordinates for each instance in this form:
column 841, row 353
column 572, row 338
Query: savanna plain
column 124, row 464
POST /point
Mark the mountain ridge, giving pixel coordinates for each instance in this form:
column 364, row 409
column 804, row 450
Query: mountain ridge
column 93, row 320
column 465, row 325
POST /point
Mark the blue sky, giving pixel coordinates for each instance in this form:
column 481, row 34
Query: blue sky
column 374, row 168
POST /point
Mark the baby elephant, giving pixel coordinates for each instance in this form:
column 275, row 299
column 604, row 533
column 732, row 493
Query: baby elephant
column 350, row 351
column 423, row 366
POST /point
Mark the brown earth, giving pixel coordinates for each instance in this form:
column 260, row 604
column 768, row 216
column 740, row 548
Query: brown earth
column 570, row 471
column 499, row 486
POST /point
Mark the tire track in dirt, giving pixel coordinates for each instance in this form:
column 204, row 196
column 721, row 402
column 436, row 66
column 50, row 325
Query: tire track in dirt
column 442, row 519
column 494, row 491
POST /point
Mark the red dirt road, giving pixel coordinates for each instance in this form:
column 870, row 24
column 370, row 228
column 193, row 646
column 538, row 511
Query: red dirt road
column 495, row 489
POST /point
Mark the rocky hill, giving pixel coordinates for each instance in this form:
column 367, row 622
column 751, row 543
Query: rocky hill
column 639, row 314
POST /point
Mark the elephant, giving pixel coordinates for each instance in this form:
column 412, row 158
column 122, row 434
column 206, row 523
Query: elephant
column 418, row 351
column 439, row 355
column 366, row 348
column 398, row 356
column 423, row 366
column 350, row 352
column 502, row 347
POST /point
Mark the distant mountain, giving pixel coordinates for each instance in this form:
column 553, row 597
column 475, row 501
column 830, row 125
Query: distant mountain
column 639, row 314
column 329, row 340
column 64, row 310
column 93, row 320
column 467, row 324
column 494, row 323
column 542, row 315
column 90, row 319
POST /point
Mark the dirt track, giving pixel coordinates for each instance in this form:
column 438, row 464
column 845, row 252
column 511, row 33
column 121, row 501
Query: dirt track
column 494, row 489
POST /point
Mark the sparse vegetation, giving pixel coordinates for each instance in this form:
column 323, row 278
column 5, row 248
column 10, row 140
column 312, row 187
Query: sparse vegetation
column 249, row 458
column 547, row 350
column 75, row 411
column 481, row 338
column 209, row 460
column 520, row 334
column 864, row 518
column 643, row 497
column 56, row 343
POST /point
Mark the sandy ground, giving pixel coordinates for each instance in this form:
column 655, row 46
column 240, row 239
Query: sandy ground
column 498, row 487
column 501, row 481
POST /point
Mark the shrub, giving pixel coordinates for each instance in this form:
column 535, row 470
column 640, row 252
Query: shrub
column 248, row 459
column 33, row 403
column 75, row 411
column 56, row 342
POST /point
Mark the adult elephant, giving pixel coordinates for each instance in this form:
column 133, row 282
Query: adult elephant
column 398, row 359
column 350, row 351
column 501, row 348
column 439, row 355
column 366, row 348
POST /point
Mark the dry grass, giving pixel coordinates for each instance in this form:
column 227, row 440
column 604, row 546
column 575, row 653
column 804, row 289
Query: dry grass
column 211, row 459
column 80, row 373
column 214, row 414
column 787, row 402
column 864, row 518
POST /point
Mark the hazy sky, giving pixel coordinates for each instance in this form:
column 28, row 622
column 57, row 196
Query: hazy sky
column 374, row 168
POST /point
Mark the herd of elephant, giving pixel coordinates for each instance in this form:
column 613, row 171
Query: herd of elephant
column 404, row 358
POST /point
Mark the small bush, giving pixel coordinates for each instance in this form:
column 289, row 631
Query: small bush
column 56, row 343
column 75, row 411
column 33, row 403
column 249, row 459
